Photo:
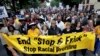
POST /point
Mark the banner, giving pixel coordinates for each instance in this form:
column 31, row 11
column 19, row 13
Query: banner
column 51, row 44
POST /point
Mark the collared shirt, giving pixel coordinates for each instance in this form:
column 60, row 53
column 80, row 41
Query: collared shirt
column 60, row 25
column 48, row 23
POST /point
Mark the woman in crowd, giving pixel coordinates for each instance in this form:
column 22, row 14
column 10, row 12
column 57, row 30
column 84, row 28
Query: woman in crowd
column 68, row 28
column 12, row 30
column 34, row 30
column 44, row 30
column 78, row 27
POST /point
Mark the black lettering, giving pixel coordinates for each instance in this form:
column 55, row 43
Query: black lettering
column 67, row 47
column 85, row 35
column 67, row 39
column 29, row 49
column 23, row 41
column 48, row 49
column 52, row 42
column 44, row 41
column 75, row 39
column 40, row 41
column 18, row 39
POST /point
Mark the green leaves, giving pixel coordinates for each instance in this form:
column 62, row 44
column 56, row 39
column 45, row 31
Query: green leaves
column 55, row 3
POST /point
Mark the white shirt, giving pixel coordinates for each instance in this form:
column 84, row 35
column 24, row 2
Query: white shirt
column 60, row 25
column 48, row 23
column 14, row 33
column 4, row 30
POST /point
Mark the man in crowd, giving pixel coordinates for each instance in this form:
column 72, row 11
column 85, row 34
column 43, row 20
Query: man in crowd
column 54, row 30
column 60, row 23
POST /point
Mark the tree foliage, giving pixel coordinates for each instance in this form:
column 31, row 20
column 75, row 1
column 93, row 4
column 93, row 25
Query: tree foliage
column 55, row 3
column 71, row 2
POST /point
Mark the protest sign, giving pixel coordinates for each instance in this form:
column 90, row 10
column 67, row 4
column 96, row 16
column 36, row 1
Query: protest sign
column 80, row 7
column 67, row 7
column 3, row 12
column 51, row 44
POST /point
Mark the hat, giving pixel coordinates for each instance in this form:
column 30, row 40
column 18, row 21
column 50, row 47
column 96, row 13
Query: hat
column 32, row 24
column 41, row 20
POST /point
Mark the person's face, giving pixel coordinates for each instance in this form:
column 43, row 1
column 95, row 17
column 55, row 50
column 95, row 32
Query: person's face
column 49, row 17
column 85, row 27
column 53, row 23
column 68, row 26
column 11, row 21
column 44, row 28
column 81, row 14
column 11, row 29
column 78, row 24
column 33, row 27
column 59, row 18
column 90, row 23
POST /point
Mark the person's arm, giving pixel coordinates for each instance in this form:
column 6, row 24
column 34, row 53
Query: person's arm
column 14, row 53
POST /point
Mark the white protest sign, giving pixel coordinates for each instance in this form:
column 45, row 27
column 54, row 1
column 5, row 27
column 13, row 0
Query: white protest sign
column 67, row 7
column 3, row 12
column 73, row 9
column 32, row 10
column 80, row 7
column 60, row 5
column 22, row 11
